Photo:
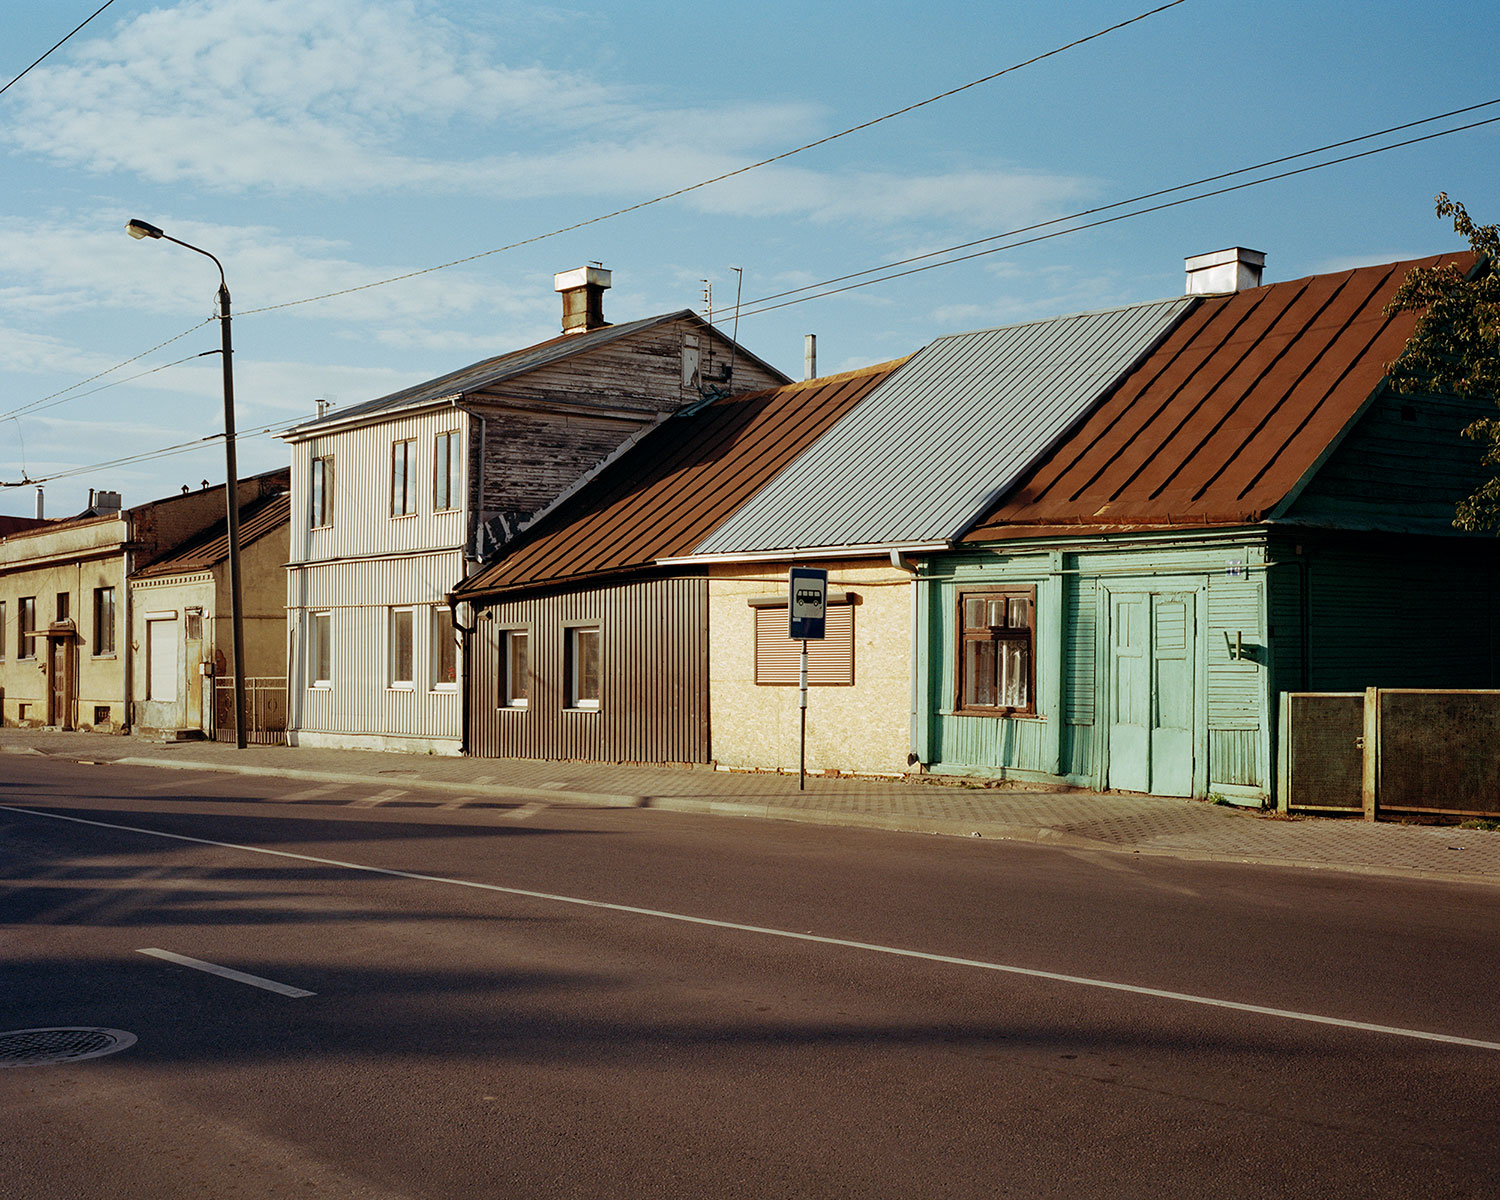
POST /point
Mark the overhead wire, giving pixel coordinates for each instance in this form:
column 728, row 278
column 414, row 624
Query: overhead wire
column 81, row 24
column 823, row 141
column 629, row 209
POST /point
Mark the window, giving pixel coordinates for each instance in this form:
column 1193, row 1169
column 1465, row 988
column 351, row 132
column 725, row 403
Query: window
column 321, row 489
column 515, row 668
column 778, row 659
column 26, row 636
column 996, row 630
column 64, row 605
column 403, row 478
column 104, row 622
column 444, row 650
column 399, row 673
column 193, row 620
column 582, row 666
column 319, row 649
column 2, row 631
column 446, row 472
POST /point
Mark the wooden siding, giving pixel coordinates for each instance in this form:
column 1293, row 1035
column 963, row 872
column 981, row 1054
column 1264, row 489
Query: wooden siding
column 359, row 595
column 653, row 704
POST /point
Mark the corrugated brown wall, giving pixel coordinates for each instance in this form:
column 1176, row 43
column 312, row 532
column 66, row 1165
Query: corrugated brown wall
column 653, row 703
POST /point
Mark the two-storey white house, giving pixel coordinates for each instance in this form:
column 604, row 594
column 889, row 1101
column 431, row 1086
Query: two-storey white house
column 395, row 500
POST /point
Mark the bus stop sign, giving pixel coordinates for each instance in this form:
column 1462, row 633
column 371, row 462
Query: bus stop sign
column 807, row 602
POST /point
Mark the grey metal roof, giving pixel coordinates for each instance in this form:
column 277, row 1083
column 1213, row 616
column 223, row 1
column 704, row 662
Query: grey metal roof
column 490, row 371
column 930, row 450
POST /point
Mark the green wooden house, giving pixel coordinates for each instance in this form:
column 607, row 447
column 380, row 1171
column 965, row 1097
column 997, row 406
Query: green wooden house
column 1250, row 511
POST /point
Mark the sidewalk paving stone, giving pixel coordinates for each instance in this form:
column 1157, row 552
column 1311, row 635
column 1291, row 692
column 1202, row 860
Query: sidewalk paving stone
column 1147, row 825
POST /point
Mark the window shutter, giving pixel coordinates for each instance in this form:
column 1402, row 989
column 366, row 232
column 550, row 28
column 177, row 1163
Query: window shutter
column 830, row 662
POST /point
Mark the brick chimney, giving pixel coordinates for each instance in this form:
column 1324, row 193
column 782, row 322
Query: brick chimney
column 583, row 298
column 1224, row 271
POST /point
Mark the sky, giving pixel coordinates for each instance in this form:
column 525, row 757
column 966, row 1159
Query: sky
column 322, row 146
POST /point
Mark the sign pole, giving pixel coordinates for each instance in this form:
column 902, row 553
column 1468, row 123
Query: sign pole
column 802, row 704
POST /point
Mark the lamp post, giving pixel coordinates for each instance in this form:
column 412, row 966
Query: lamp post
column 143, row 229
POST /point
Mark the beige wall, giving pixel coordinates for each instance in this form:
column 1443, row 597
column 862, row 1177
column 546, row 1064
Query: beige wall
column 76, row 559
column 863, row 729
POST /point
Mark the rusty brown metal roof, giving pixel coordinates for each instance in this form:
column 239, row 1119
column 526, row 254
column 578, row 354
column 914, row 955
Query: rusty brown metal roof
column 210, row 548
column 1224, row 420
column 675, row 485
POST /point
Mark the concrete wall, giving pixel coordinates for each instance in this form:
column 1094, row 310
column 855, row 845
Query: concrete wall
column 863, row 728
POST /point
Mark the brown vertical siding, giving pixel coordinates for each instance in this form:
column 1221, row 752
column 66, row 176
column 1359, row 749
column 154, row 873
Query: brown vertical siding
column 653, row 704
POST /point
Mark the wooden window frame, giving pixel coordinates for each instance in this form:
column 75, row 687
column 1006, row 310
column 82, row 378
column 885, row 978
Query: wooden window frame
column 446, row 470
column 403, row 477
column 320, row 487
column 576, row 701
column 965, row 634
column 509, row 693
column 393, row 681
column 104, row 626
column 4, row 633
column 444, row 642
column 319, row 647
column 26, row 628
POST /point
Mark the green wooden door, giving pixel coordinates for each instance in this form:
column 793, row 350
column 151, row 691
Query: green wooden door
column 1151, row 672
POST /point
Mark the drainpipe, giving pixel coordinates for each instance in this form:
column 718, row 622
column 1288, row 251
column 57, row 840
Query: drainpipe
column 913, row 752
column 127, row 651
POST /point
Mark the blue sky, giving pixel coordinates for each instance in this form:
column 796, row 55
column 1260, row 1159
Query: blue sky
column 321, row 145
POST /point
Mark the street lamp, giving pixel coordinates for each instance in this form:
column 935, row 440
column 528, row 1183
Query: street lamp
column 144, row 229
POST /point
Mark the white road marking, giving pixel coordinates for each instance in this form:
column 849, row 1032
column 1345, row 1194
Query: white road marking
column 380, row 798
column 456, row 802
column 524, row 813
column 198, row 964
column 311, row 793
column 1283, row 1014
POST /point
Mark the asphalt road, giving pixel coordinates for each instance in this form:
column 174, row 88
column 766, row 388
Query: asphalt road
column 519, row 1000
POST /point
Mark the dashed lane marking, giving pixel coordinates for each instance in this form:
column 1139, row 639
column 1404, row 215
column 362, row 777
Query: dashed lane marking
column 270, row 985
column 384, row 797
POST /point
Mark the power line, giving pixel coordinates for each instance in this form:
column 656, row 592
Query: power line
column 1088, row 212
column 85, row 21
column 620, row 212
column 35, row 404
column 948, row 262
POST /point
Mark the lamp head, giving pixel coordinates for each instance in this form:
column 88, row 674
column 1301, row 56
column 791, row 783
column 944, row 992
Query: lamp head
column 142, row 229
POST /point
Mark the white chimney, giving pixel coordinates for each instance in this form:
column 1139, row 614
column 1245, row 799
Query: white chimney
column 810, row 356
column 39, row 504
column 583, row 298
column 1224, row 271
column 107, row 502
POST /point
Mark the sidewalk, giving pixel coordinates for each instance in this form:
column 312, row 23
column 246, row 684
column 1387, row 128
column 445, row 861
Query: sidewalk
column 1082, row 820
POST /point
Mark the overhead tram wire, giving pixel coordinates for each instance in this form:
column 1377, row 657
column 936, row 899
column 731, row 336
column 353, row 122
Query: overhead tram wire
column 765, row 162
column 948, row 262
column 1088, row 212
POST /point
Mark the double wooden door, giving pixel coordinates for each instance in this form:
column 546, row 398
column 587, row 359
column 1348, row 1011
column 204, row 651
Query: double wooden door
column 1152, row 686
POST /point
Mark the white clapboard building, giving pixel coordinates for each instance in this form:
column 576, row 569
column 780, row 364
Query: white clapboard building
column 395, row 500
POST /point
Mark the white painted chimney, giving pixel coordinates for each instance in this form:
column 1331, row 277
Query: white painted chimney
column 1224, row 271
column 810, row 356
column 583, row 298
column 106, row 502
column 40, row 516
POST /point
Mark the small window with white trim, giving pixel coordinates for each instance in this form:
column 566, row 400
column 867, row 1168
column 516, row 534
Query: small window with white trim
column 401, row 649
column 515, row 668
column 581, row 666
column 320, row 650
column 444, row 650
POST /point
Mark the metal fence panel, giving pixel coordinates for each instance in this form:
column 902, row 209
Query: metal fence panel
column 265, row 709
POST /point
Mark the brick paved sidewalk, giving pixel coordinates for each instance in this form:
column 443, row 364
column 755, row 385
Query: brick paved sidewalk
column 1085, row 820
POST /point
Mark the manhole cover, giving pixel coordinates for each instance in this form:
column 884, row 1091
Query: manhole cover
column 38, row 1047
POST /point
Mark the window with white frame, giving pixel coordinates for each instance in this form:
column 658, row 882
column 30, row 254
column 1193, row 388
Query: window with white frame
column 515, row 668
column 26, row 628
column 446, row 470
column 320, row 649
column 401, row 651
column 444, row 655
column 581, row 666
column 321, row 489
column 3, row 632
column 403, row 477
